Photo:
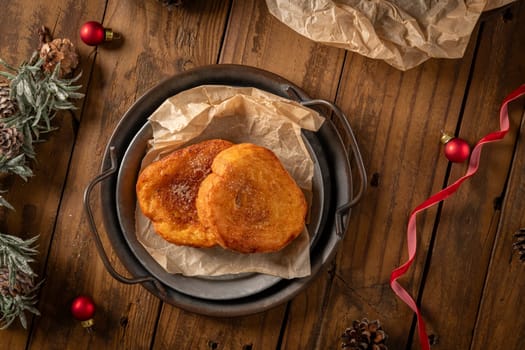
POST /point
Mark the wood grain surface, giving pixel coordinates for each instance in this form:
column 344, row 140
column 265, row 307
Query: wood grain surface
column 465, row 238
column 37, row 202
column 397, row 117
column 466, row 276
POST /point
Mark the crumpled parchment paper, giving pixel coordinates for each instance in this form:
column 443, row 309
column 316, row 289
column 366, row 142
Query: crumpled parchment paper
column 236, row 114
column 403, row 33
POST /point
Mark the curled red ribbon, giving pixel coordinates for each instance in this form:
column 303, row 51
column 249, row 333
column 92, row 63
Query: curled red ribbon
column 438, row 197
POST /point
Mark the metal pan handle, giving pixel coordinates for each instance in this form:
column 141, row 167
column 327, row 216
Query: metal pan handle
column 343, row 210
column 96, row 236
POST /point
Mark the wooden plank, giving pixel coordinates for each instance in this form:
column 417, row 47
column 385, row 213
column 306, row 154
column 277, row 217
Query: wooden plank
column 397, row 118
column 184, row 330
column 157, row 43
column 500, row 319
column 476, row 240
column 256, row 38
column 37, row 201
column 303, row 326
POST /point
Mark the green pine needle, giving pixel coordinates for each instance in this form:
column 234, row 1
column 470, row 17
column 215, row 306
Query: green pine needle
column 16, row 254
column 15, row 307
column 39, row 96
column 5, row 203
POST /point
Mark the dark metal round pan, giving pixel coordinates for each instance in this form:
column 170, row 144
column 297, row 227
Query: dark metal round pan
column 334, row 181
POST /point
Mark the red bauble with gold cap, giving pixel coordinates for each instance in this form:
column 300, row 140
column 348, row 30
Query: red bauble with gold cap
column 456, row 150
column 83, row 309
column 93, row 33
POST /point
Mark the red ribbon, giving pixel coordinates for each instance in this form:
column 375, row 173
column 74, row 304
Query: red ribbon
column 438, row 197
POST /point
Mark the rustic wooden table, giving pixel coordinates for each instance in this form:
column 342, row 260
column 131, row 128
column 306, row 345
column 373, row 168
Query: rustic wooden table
column 466, row 276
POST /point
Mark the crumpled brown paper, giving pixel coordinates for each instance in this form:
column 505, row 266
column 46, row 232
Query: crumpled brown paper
column 403, row 33
column 238, row 115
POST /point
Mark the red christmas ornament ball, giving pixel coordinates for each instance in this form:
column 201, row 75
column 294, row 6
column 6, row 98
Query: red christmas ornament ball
column 457, row 150
column 92, row 33
column 83, row 308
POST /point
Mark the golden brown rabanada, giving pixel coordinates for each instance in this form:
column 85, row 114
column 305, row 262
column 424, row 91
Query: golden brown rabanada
column 166, row 192
column 250, row 202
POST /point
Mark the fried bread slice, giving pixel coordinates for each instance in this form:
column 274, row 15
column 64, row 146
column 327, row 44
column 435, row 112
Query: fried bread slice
column 166, row 192
column 250, row 202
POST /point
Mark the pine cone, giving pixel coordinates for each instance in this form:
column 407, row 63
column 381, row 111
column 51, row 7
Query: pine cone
column 11, row 140
column 7, row 105
column 23, row 284
column 59, row 51
column 364, row 335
